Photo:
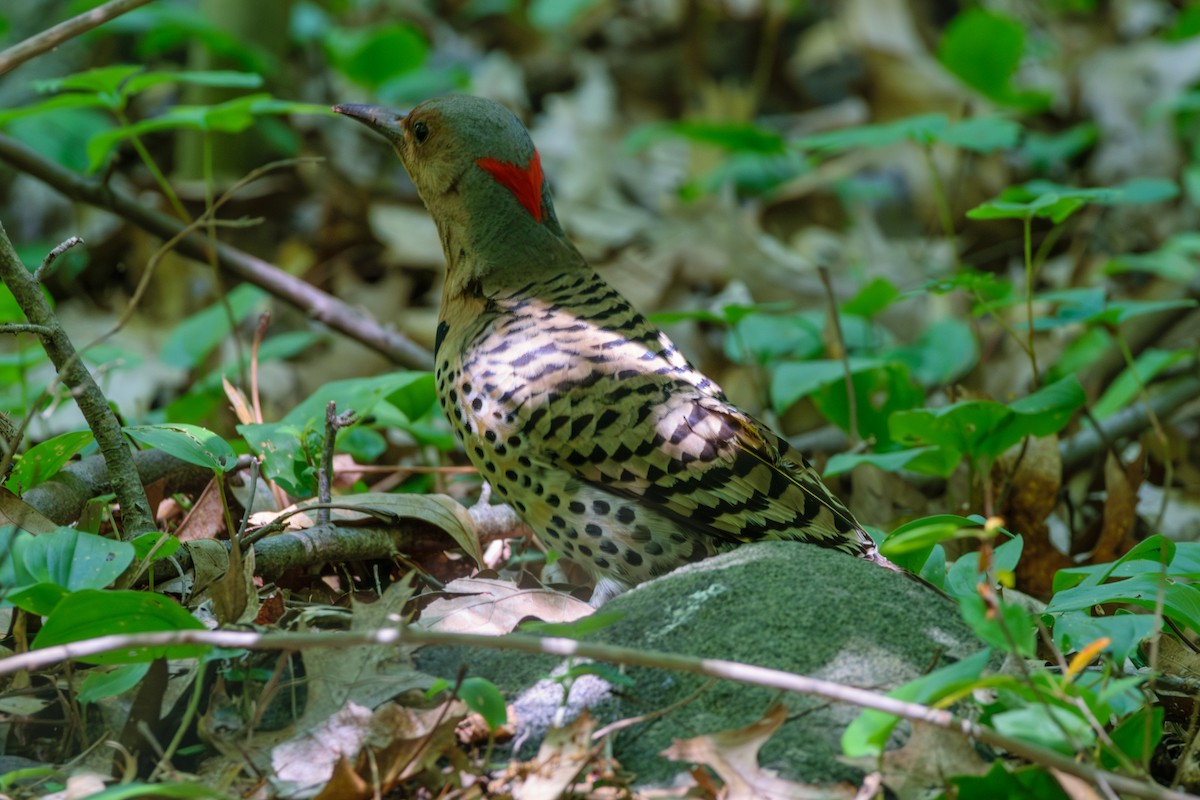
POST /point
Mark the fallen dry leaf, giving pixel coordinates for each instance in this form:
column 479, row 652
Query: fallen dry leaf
column 487, row 605
column 733, row 755
column 564, row 753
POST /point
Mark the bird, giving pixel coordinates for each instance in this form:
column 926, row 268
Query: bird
column 582, row 415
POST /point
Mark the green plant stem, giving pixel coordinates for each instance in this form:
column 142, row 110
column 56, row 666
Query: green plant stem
column 189, row 715
column 566, row 648
column 941, row 201
column 155, row 172
column 1028, row 237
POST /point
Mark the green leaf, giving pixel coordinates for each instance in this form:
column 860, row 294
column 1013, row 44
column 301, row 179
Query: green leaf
column 873, row 298
column 189, row 443
column 1181, row 601
column 98, row 685
column 985, row 429
column 46, row 567
column 764, row 338
column 192, row 339
column 868, row 734
column 482, row 697
column 552, row 15
column 892, row 461
column 1178, row 259
column 227, row 79
column 1055, row 727
column 1075, row 630
column 575, row 629
column 90, row 613
column 738, row 137
column 43, row 461
column 984, row 49
column 880, row 393
column 1011, row 629
column 103, row 82
column 924, row 533
column 1129, row 383
column 374, row 55
column 1136, row 735
column 794, row 381
column 144, row 545
column 943, row 353
column 964, row 576
column 168, row 790
column 924, row 129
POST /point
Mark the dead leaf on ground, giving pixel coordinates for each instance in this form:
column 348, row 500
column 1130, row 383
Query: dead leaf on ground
column 930, row 755
column 733, row 755
column 1121, row 486
column 1031, row 475
column 356, row 752
column 564, row 753
column 487, row 605
column 206, row 520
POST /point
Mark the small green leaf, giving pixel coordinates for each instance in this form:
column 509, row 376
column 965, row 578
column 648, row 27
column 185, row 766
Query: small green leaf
column 868, row 734
column 43, row 461
column 372, row 56
column 482, row 697
column 196, row 335
column 144, row 545
column 731, row 136
column 99, row 685
column 46, row 567
column 873, row 298
column 1075, row 630
column 924, row 533
column 576, row 629
column 1011, row 629
column 189, row 443
column 91, row 613
column 984, row 49
column 893, row 461
column 1057, row 728
column 1130, row 382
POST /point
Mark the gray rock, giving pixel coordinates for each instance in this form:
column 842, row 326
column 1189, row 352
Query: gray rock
column 783, row 605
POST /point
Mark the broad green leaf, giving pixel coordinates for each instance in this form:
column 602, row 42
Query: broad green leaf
column 1147, row 557
column 227, row 79
column 482, row 697
column 985, row 429
column 1181, row 601
column 1055, row 727
column 189, row 443
column 794, row 381
column 1074, row 630
column 983, row 134
column 868, row 734
column 888, row 462
column 1047, row 152
column 983, row 49
column 575, row 629
column 43, row 461
column 873, row 298
column 1011, row 629
column 91, row 613
column 99, row 685
column 944, row 352
column 47, row 567
column 1005, row 781
column 285, row 455
column 923, row 129
column 56, row 103
column 371, row 56
column 192, row 339
column 1178, row 259
column 552, row 15
column 765, row 338
column 104, row 82
column 1134, row 736
column 1128, row 384
column 1121, row 311
column 879, row 393
column 737, row 137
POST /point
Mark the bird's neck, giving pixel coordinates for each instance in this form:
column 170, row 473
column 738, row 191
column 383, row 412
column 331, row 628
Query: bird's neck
column 492, row 243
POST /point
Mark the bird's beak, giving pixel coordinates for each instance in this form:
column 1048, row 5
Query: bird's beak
column 382, row 120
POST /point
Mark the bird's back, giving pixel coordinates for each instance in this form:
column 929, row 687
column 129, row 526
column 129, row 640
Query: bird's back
column 615, row 450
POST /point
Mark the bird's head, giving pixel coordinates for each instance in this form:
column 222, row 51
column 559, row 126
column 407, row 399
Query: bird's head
column 480, row 176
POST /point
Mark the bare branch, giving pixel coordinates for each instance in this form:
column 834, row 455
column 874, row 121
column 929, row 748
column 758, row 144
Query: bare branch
column 21, row 52
column 711, row 667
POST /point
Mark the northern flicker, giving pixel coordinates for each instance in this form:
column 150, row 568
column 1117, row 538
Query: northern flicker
column 581, row 414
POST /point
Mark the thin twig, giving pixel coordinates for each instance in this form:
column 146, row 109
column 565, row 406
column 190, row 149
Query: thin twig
column 23, row 327
column 135, row 507
column 844, row 355
column 35, row 45
column 334, row 422
column 322, row 307
column 52, row 256
column 571, row 648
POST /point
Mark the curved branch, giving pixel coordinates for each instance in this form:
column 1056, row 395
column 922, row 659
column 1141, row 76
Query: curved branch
column 524, row 643
column 21, row 52
column 136, row 515
column 353, row 322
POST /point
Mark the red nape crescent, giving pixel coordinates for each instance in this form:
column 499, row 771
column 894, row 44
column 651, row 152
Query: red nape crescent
column 524, row 182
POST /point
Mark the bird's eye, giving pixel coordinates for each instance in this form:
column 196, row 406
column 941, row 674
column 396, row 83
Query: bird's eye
column 420, row 131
